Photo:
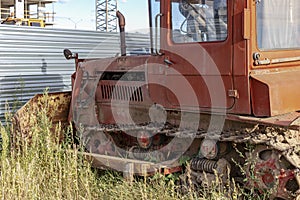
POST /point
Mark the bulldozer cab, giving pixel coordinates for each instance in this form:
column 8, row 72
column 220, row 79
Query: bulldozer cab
column 220, row 45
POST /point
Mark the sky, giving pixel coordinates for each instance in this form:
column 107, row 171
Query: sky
column 80, row 14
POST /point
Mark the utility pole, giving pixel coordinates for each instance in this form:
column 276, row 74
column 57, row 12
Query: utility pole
column 106, row 19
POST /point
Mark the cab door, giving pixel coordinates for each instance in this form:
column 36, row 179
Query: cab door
column 196, row 42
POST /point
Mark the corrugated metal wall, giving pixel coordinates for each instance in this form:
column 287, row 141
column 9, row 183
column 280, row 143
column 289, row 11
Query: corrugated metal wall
column 31, row 59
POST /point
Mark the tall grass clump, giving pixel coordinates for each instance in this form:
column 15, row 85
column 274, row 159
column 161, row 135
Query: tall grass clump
column 39, row 166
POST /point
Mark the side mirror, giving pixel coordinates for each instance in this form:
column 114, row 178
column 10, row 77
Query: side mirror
column 68, row 54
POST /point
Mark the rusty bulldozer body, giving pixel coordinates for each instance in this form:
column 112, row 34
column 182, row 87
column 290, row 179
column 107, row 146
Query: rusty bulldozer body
column 222, row 89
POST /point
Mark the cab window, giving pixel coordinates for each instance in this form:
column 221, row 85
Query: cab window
column 199, row 20
column 278, row 24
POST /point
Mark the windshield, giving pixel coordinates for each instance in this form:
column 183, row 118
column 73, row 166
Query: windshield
column 278, row 24
column 199, row 20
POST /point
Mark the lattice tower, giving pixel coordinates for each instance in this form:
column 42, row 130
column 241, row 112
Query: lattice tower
column 106, row 19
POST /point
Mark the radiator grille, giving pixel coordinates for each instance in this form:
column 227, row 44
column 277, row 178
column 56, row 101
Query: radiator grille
column 122, row 92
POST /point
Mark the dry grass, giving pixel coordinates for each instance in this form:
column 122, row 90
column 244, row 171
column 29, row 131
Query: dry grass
column 43, row 168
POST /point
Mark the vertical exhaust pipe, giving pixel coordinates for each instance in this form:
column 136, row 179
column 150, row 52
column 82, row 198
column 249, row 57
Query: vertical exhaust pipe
column 121, row 20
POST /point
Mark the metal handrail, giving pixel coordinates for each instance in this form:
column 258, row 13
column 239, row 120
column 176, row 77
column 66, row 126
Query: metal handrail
column 156, row 33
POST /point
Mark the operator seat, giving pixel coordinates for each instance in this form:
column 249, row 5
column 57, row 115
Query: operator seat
column 196, row 19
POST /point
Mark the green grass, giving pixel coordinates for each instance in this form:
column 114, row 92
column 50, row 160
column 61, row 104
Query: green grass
column 38, row 166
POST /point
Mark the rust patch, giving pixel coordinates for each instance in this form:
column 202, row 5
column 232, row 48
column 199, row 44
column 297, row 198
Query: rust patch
column 54, row 105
